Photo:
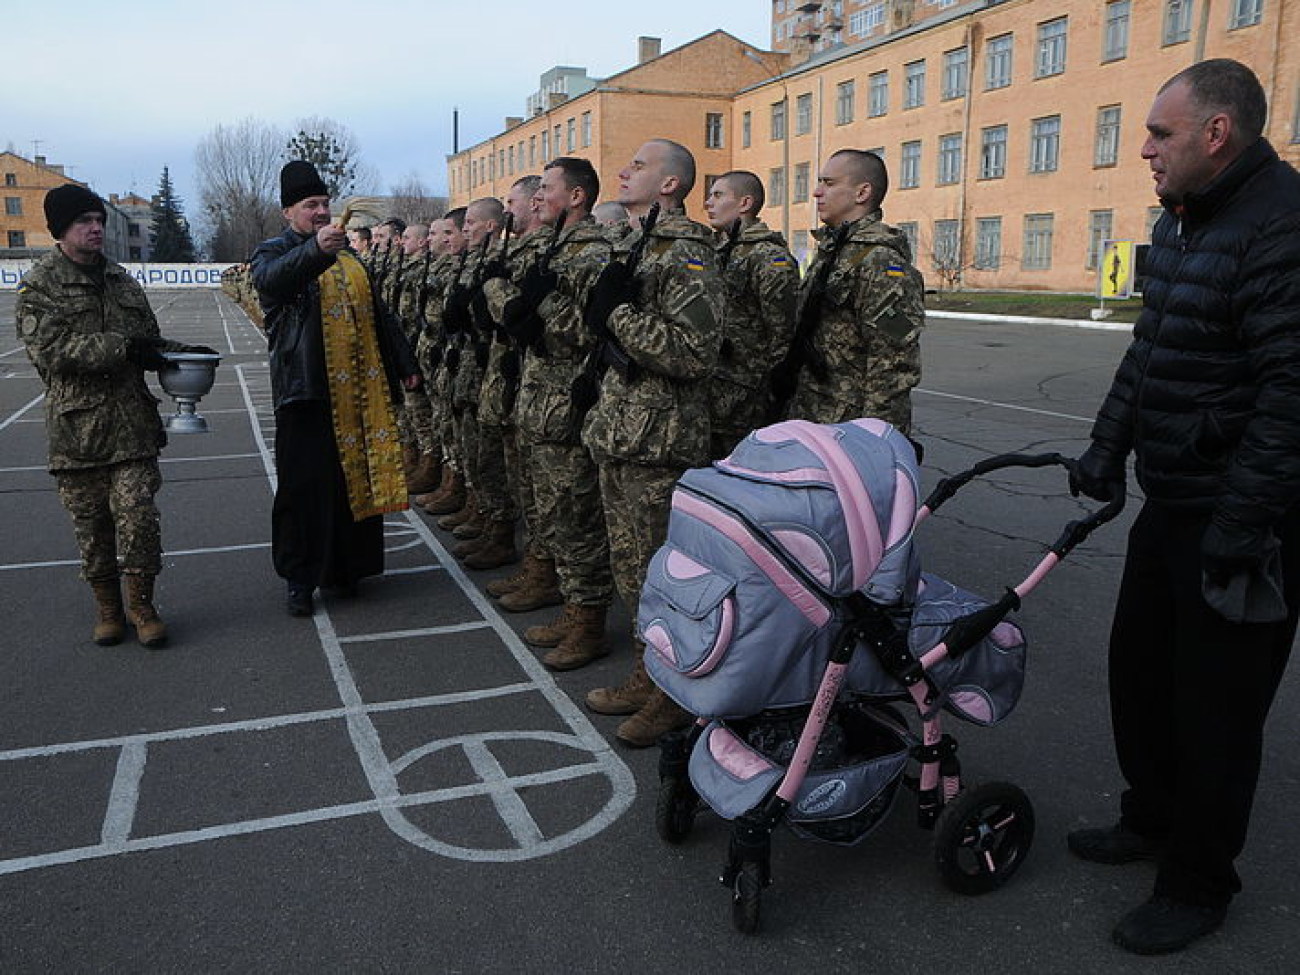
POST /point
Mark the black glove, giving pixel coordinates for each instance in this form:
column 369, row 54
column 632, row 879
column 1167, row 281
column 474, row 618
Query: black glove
column 615, row 286
column 782, row 382
column 199, row 350
column 1098, row 474
column 495, row 268
column 146, row 352
column 537, row 284
column 455, row 311
column 520, row 321
column 1229, row 548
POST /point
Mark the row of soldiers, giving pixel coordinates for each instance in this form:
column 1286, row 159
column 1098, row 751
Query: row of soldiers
column 574, row 369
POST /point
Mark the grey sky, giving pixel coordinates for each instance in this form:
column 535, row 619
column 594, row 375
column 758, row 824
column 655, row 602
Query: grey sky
column 117, row 92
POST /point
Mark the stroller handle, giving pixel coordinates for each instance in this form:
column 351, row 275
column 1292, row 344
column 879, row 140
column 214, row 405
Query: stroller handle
column 1074, row 533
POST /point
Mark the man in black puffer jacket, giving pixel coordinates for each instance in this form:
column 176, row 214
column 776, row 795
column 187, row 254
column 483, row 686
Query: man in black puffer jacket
column 1208, row 400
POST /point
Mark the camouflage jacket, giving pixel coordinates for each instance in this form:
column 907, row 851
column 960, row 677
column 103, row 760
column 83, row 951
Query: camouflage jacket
column 501, row 376
column 761, row 281
column 545, row 413
column 868, row 331
column 407, row 292
column 76, row 327
column 473, row 346
column 434, row 343
column 660, row 417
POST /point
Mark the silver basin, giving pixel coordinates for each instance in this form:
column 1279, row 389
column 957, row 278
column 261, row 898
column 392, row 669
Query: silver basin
column 187, row 380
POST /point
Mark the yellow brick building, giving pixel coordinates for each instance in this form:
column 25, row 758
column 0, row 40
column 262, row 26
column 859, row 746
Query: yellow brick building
column 1012, row 128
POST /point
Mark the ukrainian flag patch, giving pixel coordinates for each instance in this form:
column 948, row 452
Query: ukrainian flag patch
column 781, row 262
column 895, row 271
column 694, row 265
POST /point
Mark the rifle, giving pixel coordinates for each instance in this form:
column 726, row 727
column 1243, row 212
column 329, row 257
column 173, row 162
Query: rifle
column 421, row 296
column 607, row 352
column 451, row 326
column 519, row 318
column 786, row 374
column 729, row 245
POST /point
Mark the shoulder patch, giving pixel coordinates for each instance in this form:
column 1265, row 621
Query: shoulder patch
column 694, row 265
column 780, row 262
column 895, row 271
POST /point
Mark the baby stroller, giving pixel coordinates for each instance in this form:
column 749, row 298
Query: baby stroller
column 789, row 612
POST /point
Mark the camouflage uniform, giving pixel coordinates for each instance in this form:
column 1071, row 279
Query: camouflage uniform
column 431, row 352
column 504, row 493
column 869, row 331
column 565, row 482
column 415, row 402
column 468, row 380
column 645, row 432
column 761, row 281
column 102, row 420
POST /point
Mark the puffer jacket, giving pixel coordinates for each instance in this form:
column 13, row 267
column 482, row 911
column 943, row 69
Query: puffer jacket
column 1208, row 393
column 285, row 270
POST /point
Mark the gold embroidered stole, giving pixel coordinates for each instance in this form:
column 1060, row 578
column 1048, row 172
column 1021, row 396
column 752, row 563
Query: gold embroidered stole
column 365, row 427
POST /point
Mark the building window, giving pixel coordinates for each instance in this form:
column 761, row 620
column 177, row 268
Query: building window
column 571, row 135
column 1245, row 13
column 586, row 129
column 778, row 120
column 1153, row 217
column 878, row 94
column 1037, row 254
column 1106, row 151
column 801, row 173
column 878, row 151
column 997, row 62
column 909, row 230
column 1178, row 21
column 532, row 150
column 746, row 129
column 909, row 176
column 11, row 179
column 1051, row 47
column 844, row 103
column 956, row 66
column 13, row 206
column 867, row 20
column 136, row 254
column 510, row 160
column 988, row 243
column 1115, row 43
column 17, row 238
column 133, row 230
column 949, row 159
column 803, row 114
column 947, row 250
column 712, row 130
column 776, row 186
column 1045, row 144
column 546, row 145
column 1100, row 228
column 993, row 152
column 914, row 84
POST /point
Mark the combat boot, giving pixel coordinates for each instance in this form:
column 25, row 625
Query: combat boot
column 500, row 587
column 450, row 496
column 425, row 476
column 110, row 628
column 540, row 589
column 584, row 643
column 628, row 698
column 423, row 500
column 497, row 548
column 410, row 459
column 462, row 514
column 660, row 715
column 472, row 527
column 149, row 627
column 552, row 634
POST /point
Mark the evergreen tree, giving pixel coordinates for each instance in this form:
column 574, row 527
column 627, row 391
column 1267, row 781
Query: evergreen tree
column 169, row 235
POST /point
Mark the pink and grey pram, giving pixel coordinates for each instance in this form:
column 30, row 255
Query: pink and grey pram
column 787, row 610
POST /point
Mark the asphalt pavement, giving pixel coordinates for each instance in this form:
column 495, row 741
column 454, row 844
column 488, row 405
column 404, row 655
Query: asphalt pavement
column 398, row 785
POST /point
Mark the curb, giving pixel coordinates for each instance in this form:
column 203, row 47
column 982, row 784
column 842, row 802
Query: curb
column 1030, row 320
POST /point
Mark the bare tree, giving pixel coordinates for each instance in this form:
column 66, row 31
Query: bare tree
column 332, row 148
column 412, row 201
column 238, row 170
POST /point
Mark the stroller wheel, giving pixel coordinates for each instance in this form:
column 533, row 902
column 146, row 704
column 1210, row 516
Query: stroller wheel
column 747, row 897
column 675, row 809
column 983, row 836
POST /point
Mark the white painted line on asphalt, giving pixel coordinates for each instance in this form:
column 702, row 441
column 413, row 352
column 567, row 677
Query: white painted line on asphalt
column 1006, row 406
column 505, row 795
column 412, row 570
column 421, row 632
column 16, row 417
column 269, row 723
column 122, row 802
column 216, row 550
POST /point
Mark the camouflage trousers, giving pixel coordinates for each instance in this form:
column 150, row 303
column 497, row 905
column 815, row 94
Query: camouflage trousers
column 637, row 502
column 819, row 407
column 465, row 424
column 418, row 413
column 567, row 491
column 497, row 494
column 520, row 475
column 114, row 517
column 734, row 411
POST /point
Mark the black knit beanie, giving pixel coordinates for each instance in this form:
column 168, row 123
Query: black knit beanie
column 299, row 180
column 66, row 203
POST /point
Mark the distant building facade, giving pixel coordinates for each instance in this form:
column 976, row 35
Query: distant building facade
column 1011, row 128
column 23, row 233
